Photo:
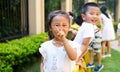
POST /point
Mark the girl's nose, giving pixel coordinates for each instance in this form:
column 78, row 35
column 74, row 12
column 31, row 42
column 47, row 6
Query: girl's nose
column 95, row 16
column 61, row 27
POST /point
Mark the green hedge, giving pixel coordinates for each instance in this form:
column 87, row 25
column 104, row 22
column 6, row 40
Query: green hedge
column 115, row 26
column 16, row 52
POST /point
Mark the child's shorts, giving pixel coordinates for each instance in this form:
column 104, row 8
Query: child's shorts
column 96, row 43
column 96, row 47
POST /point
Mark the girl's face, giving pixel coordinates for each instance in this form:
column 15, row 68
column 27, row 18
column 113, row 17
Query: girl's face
column 60, row 26
column 92, row 15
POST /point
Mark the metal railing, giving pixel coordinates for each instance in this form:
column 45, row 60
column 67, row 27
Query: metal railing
column 13, row 19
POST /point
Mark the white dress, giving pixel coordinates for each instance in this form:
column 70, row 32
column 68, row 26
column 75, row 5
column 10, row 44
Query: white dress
column 118, row 29
column 108, row 30
column 56, row 58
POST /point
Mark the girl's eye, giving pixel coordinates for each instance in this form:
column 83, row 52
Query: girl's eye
column 97, row 14
column 56, row 25
column 64, row 25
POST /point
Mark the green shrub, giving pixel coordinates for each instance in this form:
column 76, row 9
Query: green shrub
column 115, row 26
column 18, row 51
column 4, row 67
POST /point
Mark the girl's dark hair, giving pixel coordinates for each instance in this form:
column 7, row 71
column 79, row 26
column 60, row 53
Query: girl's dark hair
column 79, row 20
column 85, row 6
column 70, row 13
column 103, row 10
column 50, row 18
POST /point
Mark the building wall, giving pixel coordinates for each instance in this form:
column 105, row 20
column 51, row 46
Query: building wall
column 36, row 14
column 89, row 0
column 118, row 10
column 68, row 4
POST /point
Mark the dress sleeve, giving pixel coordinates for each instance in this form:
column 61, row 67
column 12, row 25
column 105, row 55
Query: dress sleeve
column 42, row 50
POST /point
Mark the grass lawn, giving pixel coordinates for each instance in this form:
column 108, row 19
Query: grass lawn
column 111, row 64
column 30, row 67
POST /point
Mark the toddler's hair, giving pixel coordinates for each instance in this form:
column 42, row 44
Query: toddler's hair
column 79, row 19
column 54, row 14
column 85, row 6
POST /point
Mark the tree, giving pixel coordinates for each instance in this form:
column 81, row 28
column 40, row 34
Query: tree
column 51, row 5
column 77, row 6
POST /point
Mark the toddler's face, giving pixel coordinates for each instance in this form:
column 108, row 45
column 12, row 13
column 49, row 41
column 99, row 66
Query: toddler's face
column 92, row 15
column 60, row 26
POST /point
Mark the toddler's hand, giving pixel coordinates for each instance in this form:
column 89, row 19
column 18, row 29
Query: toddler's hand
column 98, row 29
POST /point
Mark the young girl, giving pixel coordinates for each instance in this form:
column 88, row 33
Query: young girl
column 118, row 32
column 107, row 31
column 59, row 53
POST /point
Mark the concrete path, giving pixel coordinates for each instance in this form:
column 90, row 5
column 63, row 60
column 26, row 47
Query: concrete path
column 114, row 45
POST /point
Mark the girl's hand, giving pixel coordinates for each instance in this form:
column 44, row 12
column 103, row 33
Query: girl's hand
column 78, row 62
column 81, row 63
column 60, row 34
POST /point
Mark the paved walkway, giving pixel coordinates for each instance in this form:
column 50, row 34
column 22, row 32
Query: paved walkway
column 114, row 45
